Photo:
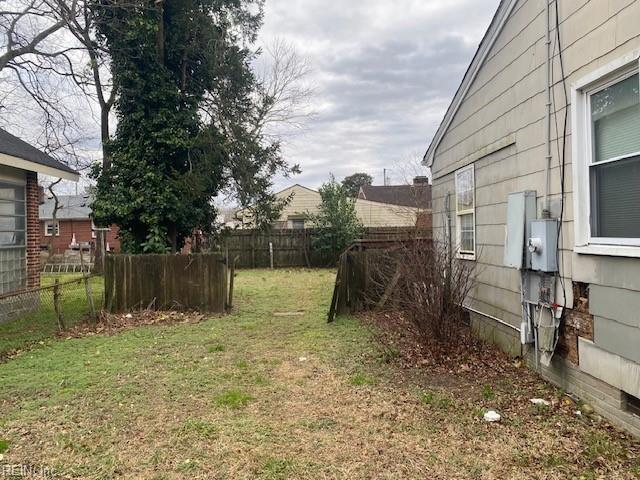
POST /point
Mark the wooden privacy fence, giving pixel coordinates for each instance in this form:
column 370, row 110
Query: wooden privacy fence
column 293, row 247
column 163, row 282
column 356, row 288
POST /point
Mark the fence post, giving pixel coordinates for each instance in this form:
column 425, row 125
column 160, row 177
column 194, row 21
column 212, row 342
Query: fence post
column 271, row 255
column 101, row 249
column 231, row 282
column 92, row 307
column 56, row 305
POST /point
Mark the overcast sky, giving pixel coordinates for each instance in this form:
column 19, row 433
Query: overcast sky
column 384, row 72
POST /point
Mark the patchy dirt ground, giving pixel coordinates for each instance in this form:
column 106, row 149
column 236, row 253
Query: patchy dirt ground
column 272, row 391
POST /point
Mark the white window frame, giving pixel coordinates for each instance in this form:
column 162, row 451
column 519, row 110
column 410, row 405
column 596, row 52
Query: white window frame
column 49, row 223
column 467, row 255
column 582, row 153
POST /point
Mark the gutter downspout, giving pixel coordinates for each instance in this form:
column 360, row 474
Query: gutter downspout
column 546, row 209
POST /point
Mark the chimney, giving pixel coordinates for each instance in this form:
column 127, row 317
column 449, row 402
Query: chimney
column 421, row 180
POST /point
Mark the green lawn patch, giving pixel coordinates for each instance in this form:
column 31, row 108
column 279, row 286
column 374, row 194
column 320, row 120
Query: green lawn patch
column 230, row 397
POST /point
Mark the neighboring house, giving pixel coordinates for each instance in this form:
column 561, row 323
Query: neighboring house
column 305, row 200
column 497, row 138
column 417, row 195
column 20, row 164
column 73, row 225
column 227, row 217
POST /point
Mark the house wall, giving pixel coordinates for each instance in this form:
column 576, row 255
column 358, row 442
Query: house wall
column 500, row 129
column 371, row 214
column 32, row 193
column 82, row 230
column 30, row 181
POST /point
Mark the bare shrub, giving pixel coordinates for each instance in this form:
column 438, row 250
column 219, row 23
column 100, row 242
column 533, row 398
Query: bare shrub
column 424, row 282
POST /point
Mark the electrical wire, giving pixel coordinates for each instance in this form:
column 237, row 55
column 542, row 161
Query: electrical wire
column 561, row 155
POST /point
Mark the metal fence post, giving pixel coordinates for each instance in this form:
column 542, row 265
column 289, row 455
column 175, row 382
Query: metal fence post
column 56, row 305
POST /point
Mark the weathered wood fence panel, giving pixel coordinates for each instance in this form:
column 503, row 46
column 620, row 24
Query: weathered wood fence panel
column 358, row 283
column 163, row 282
column 293, row 247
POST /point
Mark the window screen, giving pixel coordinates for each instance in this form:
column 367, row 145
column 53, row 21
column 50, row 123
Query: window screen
column 615, row 168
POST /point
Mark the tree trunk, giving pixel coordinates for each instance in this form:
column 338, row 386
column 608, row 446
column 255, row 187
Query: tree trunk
column 104, row 136
column 173, row 239
column 160, row 37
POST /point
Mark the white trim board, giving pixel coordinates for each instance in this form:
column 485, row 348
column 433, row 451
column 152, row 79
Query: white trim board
column 22, row 164
column 497, row 24
column 584, row 243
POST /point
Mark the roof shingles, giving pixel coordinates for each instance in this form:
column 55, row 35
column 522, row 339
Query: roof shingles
column 416, row 196
column 12, row 145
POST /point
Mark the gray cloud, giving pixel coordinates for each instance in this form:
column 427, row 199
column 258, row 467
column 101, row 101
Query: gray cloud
column 384, row 71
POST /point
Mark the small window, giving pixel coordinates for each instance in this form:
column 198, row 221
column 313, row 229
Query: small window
column 297, row 224
column 465, row 212
column 48, row 228
column 93, row 230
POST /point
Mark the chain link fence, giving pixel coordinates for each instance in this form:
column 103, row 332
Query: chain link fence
column 61, row 303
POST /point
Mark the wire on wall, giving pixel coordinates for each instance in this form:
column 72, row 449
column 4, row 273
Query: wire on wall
column 561, row 153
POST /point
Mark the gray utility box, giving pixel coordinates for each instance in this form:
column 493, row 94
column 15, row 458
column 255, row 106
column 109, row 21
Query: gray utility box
column 521, row 211
column 543, row 245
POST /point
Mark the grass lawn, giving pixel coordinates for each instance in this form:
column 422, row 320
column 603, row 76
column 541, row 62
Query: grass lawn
column 270, row 393
column 40, row 324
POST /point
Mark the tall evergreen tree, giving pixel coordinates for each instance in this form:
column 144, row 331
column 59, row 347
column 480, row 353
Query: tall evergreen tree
column 185, row 105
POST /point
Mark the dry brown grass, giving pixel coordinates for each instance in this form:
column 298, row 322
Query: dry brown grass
column 255, row 395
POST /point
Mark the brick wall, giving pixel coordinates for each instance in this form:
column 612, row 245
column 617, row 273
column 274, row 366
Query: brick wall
column 33, row 230
column 82, row 230
column 578, row 322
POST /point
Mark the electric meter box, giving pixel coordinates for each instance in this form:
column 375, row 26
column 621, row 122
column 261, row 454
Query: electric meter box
column 543, row 245
column 521, row 211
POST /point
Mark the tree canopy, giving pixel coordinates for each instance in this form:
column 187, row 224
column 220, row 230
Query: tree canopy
column 187, row 104
column 352, row 183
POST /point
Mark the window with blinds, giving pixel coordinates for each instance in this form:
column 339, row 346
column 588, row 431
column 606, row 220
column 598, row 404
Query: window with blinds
column 13, row 252
column 614, row 172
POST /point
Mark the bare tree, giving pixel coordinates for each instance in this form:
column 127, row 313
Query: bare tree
column 96, row 82
column 36, row 59
column 54, row 213
column 50, row 48
column 25, row 26
column 284, row 91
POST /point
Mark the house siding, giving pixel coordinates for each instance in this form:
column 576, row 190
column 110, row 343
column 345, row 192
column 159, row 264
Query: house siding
column 499, row 127
column 371, row 214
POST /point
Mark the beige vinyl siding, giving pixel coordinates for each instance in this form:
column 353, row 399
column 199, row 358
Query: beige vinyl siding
column 371, row 214
column 506, row 103
column 304, row 200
